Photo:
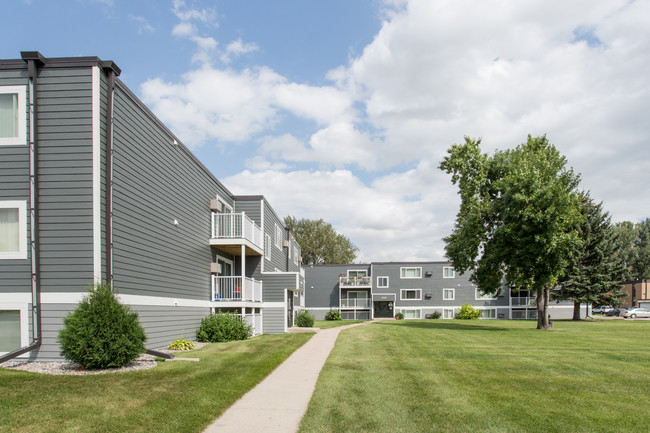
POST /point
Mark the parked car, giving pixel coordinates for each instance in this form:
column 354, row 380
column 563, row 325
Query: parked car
column 633, row 313
column 602, row 310
column 616, row 311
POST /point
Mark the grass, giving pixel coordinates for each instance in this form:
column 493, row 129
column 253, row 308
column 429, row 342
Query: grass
column 325, row 324
column 485, row 376
column 172, row 397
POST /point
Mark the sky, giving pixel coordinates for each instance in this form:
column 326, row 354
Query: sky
column 343, row 109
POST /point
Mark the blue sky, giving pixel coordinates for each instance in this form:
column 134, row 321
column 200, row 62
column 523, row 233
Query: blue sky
column 342, row 110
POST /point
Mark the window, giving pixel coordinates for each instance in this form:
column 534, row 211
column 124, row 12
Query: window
column 448, row 294
column 267, row 247
column 411, row 314
column 480, row 295
column 382, row 282
column 278, row 236
column 357, row 274
column 13, row 229
column 9, row 330
column 295, row 255
column 13, row 115
column 448, row 313
column 410, row 294
column 410, row 272
column 488, row 314
column 448, row 272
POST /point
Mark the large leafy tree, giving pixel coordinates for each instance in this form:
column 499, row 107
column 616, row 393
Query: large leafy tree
column 596, row 267
column 634, row 242
column 516, row 219
column 320, row 243
column 626, row 237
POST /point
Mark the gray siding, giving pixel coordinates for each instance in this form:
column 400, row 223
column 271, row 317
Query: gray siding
column 15, row 275
column 155, row 183
column 52, row 321
column 179, row 322
column 278, row 255
column 274, row 286
column 322, row 285
column 252, row 209
column 274, row 320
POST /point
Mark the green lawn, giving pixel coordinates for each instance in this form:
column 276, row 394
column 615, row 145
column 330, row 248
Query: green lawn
column 325, row 324
column 485, row 376
column 172, row 397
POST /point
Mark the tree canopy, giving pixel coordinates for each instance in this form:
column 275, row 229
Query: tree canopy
column 516, row 219
column 320, row 243
column 596, row 266
column 634, row 241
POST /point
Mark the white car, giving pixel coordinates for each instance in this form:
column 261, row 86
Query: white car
column 633, row 313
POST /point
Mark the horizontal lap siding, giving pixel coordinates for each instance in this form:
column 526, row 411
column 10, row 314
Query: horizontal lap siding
column 274, row 320
column 65, row 180
column 252, row 208
column 156, row 183
column 274, row 286
column 52, row 322
column 278, row 255
column 14, row 185
column 180, row 322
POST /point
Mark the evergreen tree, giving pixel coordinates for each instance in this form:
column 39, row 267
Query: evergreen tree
column 596, row 267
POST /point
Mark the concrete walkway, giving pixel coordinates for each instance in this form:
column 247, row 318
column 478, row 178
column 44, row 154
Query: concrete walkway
column 278, row 403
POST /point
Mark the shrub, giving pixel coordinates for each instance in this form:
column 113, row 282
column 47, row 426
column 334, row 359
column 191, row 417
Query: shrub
column 101, row 332
column 333, row 315
column 222, row 327
column 435, row 315
column 467, row 312
column 399, row 316
column 304, row 319
column 181, row 344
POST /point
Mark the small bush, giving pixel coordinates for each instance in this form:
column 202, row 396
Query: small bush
column 399, row 316
column 181, row 344
column 304, row 319
column 333, row 315
column 101, row 332
column 467, row 312
column 221, row 327
column 435, row 315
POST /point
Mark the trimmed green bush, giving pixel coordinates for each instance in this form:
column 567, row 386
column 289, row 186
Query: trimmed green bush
column 181, row 344
column 333, row 315
column 436, row 315
column 399, row 316
column 304, row 319
column 101, row 332
column 467, row 312
column 221, row 327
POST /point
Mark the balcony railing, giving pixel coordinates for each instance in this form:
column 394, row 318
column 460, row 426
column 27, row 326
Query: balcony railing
column 356, row 303
column 255, row 320
column 236, row 226
column 236, row 289
column 354, row 281
column 523, row 301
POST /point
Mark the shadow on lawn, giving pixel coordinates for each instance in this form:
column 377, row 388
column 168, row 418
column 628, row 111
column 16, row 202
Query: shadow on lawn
column 455, row 325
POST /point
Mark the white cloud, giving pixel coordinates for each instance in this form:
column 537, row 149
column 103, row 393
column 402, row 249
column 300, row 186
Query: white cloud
column 144, row 25
column 237, row 48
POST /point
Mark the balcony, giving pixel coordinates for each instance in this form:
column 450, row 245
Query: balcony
column 231, row 231
column 523, row 301
column 236, row 289
column 354, row 281
column 362, row 303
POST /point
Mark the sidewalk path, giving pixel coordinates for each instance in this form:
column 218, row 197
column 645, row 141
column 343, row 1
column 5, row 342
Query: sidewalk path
column 278, row 403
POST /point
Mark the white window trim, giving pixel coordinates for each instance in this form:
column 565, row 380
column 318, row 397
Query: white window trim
column 21, row 205
column 402, row 298
column 452, row 270
column 379, row 286
column 357, row 270
column 401, row 273
column 419, row 310
column 295, row 255
column 24, row 322
column 446, row 310
column 488, row 309
column 21, row 139
column 278, row 237
column 479, row 297
column 453, row 294
column 268, row 245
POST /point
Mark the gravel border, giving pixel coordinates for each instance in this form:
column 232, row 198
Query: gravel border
column 142, row 362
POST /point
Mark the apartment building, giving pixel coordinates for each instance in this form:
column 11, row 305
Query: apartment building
column 415, row 289
column 94, row 187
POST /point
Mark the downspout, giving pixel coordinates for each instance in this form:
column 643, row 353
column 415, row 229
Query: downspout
column 34, row 59
column 112, row 71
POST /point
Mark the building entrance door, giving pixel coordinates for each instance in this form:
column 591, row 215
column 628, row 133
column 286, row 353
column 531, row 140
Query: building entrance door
column 383, row 308
column 289, row 309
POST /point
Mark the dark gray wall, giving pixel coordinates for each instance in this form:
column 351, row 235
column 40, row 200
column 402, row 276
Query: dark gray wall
column 322, row 284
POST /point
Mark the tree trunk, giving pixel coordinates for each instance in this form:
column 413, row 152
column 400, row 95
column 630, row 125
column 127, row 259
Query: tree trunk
column 543, row 320
column 576, row 310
